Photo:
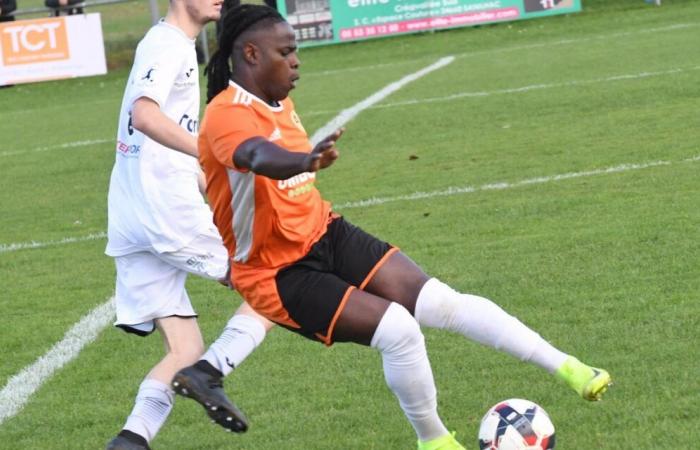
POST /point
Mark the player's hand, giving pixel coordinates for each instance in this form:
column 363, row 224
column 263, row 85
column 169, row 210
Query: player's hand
column 324, row 153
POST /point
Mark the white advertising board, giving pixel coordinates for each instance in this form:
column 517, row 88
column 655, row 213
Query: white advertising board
column 50, row 49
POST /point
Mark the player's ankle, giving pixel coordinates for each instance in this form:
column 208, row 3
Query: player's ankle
column 206, row 367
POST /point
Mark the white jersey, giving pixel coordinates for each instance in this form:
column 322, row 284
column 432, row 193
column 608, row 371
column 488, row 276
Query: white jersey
column 154, row 201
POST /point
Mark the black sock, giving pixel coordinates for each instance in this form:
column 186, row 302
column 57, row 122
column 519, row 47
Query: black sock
column 133, row 437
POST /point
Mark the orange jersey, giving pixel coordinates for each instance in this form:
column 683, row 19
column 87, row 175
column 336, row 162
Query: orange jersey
column 265, row 224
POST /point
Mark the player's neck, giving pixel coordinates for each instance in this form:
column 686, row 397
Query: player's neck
column 184, row 22
column 248, row 83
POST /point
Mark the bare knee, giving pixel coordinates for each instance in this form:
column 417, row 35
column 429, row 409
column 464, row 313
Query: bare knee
column 186, row 355
column 182, row 339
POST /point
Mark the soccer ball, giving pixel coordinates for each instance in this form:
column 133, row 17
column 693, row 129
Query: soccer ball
column 516, row 424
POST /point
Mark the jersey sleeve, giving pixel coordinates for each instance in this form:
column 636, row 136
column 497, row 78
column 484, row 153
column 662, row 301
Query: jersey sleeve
column 154, row 75
column 228, row 127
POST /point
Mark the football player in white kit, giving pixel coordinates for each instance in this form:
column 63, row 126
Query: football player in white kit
column 160, row 228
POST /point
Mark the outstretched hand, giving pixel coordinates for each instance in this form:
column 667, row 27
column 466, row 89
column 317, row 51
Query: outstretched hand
column 324, row 153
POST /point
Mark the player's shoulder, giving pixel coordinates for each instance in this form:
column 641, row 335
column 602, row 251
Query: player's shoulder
column 238, row 100
column 230, row 99
column 226, row 108
column 163, row 41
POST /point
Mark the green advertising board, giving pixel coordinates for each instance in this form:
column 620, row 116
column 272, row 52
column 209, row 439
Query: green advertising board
column 331, row 21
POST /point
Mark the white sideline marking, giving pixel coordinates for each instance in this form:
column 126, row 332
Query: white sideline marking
column 456, row 190
column 348, row 114
column 521, row 89
column 452, row 190
column 21, row 386
column 341, row 119
column 474, row 94
column 56, row 147
column 515, row 48
column 678, row 26
column 533, row 87
column 4, row 248
column 447, row 98
column 63, row 106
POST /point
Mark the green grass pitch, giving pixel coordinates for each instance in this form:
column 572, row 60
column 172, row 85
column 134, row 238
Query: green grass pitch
column 575, row 142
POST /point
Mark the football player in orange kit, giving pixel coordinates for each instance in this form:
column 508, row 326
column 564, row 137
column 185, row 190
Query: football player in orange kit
column 303, row 266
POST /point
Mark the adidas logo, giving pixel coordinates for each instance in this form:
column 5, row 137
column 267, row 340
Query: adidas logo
column 276, row 135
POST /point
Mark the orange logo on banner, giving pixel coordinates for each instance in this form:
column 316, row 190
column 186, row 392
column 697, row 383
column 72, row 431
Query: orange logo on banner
column 33, row 41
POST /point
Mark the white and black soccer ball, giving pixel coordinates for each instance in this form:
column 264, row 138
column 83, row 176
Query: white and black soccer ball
column 516, row 424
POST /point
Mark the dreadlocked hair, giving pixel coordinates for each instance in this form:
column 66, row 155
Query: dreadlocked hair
column 234, row 22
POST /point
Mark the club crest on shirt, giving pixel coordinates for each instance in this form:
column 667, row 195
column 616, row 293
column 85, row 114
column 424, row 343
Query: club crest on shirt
column 296, row 120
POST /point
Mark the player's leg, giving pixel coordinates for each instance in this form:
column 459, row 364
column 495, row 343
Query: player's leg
column 436, row 305
column 321, row 294
column 183, row 346
column 390, row 328
column 151, row 294
column 203, row 381
column 207, row 257
column 313, row 301
column 243, row 333
column 154, row 400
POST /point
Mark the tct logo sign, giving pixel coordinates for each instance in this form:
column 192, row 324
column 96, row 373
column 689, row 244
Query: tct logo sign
column 33, row 42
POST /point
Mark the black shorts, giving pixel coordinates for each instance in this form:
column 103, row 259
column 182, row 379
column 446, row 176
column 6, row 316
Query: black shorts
column 314, row 289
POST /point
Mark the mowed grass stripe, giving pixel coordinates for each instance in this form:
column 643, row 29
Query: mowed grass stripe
column 345, row 115
column 502, row 185
column 67, row 145
column 524, row 89
column 446, row 192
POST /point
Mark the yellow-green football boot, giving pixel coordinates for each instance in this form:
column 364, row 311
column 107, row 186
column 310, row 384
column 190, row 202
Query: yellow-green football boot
column 446, row 442
column 590, row 382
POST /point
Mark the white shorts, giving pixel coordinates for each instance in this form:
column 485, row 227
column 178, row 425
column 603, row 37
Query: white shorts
column 151, row 285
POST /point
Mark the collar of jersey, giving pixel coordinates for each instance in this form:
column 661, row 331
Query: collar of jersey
column 177, row 30
column 256, row 98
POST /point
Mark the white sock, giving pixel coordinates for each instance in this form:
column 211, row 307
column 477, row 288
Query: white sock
column 440, row 306
column 154, row 402
column 407, row 370
column 241, row 336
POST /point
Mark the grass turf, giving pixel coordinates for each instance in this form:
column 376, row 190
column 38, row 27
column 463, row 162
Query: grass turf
column 605, row 266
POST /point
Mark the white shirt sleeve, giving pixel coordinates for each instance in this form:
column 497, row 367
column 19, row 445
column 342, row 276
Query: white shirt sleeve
column 154, row 76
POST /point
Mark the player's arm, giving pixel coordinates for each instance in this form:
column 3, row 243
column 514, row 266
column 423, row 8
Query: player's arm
column 270, row 160
column 147, row 117
column 202, row 183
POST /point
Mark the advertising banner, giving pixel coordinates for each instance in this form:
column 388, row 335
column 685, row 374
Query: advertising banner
column 331, row 21
column 49, row 49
